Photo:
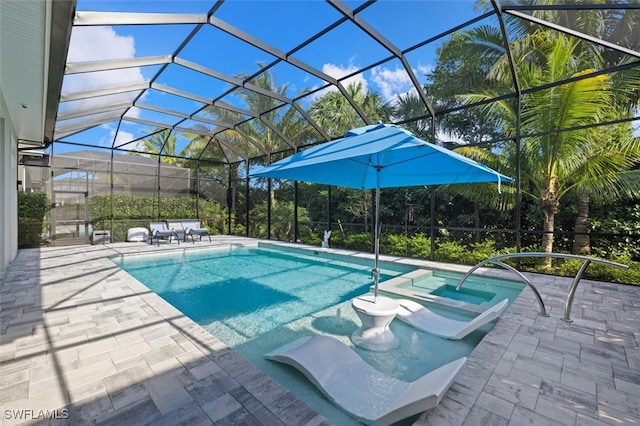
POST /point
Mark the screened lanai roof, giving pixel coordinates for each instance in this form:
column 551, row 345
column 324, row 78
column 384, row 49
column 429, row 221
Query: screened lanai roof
column 224, row 78
column 93, row 160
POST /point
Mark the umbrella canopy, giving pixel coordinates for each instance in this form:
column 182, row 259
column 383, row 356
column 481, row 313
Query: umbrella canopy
column 380, row 156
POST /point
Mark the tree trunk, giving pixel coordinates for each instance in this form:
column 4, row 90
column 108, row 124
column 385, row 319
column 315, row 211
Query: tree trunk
column 272, row 194
column 547, row 237
column 271, row 206
column 232, row 199
column 549, row 207
column 233, row 170
column 581, row 240
column 476, row 216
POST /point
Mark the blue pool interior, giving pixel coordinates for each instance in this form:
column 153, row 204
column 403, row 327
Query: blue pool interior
column 475, row 290
column 258, row 298
column 252, row 290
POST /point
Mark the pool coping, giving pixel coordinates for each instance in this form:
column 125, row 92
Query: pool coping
column 81, row 334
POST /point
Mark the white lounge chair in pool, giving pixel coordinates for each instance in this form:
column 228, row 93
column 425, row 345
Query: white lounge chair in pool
column 355, row 386
column 428, row 321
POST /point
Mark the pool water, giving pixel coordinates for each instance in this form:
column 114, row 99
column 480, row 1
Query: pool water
column 251, row 290
column 256, row 299
column 476, row 290
column 465, row 294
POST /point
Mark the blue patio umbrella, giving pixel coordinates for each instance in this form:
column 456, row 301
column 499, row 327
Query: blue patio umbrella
column 380, row 156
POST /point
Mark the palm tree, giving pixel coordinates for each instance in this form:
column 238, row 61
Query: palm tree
column 409, row 106
column 252, row 138
column 283, row 118
column 162, row 143
column 554, row 162
column 336, row 115
column 605, row 173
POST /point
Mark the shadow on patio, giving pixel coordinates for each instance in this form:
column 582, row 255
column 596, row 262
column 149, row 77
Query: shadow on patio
column 83, row 343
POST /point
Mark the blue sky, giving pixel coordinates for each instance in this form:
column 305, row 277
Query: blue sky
column 282, row 24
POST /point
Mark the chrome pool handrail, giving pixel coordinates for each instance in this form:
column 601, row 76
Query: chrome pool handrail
column 572, row 288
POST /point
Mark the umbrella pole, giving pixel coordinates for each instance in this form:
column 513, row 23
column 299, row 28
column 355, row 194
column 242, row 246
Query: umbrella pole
column 376, row 269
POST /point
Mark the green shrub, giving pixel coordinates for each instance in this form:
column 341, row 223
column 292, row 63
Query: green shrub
column 312, row 239
column 601, row 272
column 595, row 271
column 239, row 229
column 135, row 211
column 32, row 208
column 484, row 250
column 396, row 244
column 361, row 242
column 451, row 251
column 420, row 246
column 282, row 221
column 616, row 275
column 455, row 252
column 622, row 219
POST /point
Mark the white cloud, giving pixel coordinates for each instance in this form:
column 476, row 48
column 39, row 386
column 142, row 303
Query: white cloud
column 391, row 82
column 97, row 44
column 124, row 137
column 423, row 71
column 339, row 71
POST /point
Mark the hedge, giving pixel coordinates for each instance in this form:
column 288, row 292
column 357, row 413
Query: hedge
column 32, row 208
column 136, row 211
column 419, row 246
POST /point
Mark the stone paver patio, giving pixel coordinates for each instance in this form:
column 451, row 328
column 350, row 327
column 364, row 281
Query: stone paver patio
column 84, row 343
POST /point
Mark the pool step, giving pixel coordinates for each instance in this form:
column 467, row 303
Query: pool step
column 401, row 286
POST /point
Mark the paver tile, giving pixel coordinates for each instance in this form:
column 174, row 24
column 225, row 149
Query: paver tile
column 74, row 325
column 495, row 405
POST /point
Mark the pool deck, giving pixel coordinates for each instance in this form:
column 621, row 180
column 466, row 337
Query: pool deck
column 83, row 342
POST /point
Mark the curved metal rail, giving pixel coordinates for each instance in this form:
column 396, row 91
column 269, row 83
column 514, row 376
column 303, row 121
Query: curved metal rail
column 496, row 260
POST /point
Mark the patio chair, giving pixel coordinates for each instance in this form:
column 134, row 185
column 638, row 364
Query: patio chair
column 160, row 231
column 192, row 227
column 428, row 321
column 176, row 225
column 366, row 393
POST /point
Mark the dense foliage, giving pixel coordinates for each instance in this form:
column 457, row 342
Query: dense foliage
column 419, row 246
column 135, row 211
column 32, row 208
column 617, row 230
column 282, row 222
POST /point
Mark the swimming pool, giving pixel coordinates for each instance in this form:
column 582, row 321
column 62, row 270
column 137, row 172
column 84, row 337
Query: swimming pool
column 253, row 290
column 285, row 293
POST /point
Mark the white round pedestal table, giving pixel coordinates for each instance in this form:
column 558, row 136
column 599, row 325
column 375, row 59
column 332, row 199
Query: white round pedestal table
column 376, row 314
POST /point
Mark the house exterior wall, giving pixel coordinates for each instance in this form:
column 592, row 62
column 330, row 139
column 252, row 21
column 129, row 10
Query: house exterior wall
column 8, row 189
